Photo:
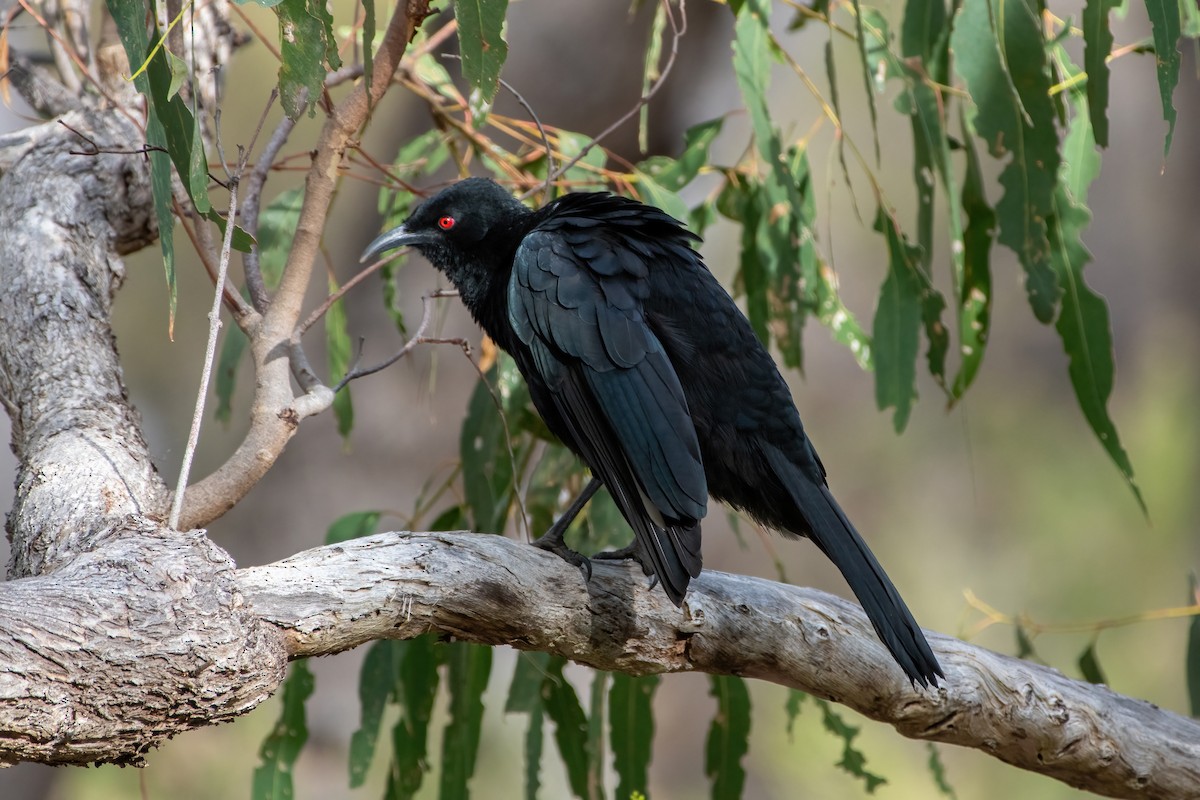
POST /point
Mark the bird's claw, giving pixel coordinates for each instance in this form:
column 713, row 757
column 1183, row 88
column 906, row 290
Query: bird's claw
column 555, row 544
column 632, row 552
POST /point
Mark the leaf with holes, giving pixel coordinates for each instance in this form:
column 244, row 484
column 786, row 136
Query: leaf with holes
column 1166, row 26
column 1083, row 323
column 481, row 39
column 1014, row 115
column 306, row 44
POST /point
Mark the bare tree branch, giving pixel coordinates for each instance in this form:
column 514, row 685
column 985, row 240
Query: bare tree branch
column 275, row 412
column 492, row 590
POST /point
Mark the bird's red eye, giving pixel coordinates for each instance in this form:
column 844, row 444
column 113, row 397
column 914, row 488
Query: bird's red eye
column 446, row 223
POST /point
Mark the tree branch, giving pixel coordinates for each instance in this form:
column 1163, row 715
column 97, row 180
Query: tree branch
column 494, row 591
column 275, row 413
column 84, row 465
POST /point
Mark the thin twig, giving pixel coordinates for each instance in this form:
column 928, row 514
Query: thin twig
column 214, row 328
column 536, row 121
column 201, row 238
column 322, row 309
column 418, row 338
column 254, row 187
column 678, row 29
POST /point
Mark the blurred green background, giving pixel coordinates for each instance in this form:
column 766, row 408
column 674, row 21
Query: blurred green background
column 1009, row 496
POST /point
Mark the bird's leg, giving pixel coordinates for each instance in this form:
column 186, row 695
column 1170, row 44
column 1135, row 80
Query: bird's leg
column 552, row 540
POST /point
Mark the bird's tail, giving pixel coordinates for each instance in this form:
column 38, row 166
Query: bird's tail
column 671, row 553
column 833, row 532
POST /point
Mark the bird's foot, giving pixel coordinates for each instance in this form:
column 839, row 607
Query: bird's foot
column 632, row 552
column 553, row 542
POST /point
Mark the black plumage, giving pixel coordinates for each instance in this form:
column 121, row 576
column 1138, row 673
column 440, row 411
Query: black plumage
column 642, row 364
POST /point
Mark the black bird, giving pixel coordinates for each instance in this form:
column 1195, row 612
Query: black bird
column 642, row 364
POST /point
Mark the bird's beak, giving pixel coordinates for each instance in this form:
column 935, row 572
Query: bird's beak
column 390, row 240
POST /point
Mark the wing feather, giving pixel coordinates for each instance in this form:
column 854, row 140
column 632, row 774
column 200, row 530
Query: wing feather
column 576, row 302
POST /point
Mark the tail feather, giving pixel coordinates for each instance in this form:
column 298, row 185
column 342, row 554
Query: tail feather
column 675, row 554
column 833, row 533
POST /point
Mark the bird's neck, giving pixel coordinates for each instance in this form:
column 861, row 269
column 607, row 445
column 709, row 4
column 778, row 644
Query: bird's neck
column 481, row 277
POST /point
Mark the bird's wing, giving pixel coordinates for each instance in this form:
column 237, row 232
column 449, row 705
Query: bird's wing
column 575, row 299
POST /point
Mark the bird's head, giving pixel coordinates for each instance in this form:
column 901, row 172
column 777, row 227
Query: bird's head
column 468, row 231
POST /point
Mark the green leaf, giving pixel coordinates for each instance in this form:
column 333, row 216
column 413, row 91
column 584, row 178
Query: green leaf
column 337, row 346
column 897, row 322
column 1089, row 665
column 242, row 241
column 525, row 695
column 227, row 363
column 728, row 737
column 184, row 142
column 278, row 752
column 525, row 691
column 376, row 683
column 817, row 276
column 595, row 738
column 923, row 26
column 353, row 526
column 938, row 770
column 853, row 761
column 1189, row 13
column 923, row 102
column 658, row 195
column 130, row 19
column 1192, row 660
column 631, row 717
column 586, row 174
column 417, row 688
column 674, row 174
column 1025, row 645
column 1165, row 25
column 975, row 290
column 860, row 36
column 606, row 529
column 276, row 230
column 481, row 40
column 306, row 43
column 651, row 72
column 570, row 725
column 1083, row 324
column 535, row 742
column 1097, row 44
column 795, row 699
column 487, row 465
column 470, row 666
column 1014, row 115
